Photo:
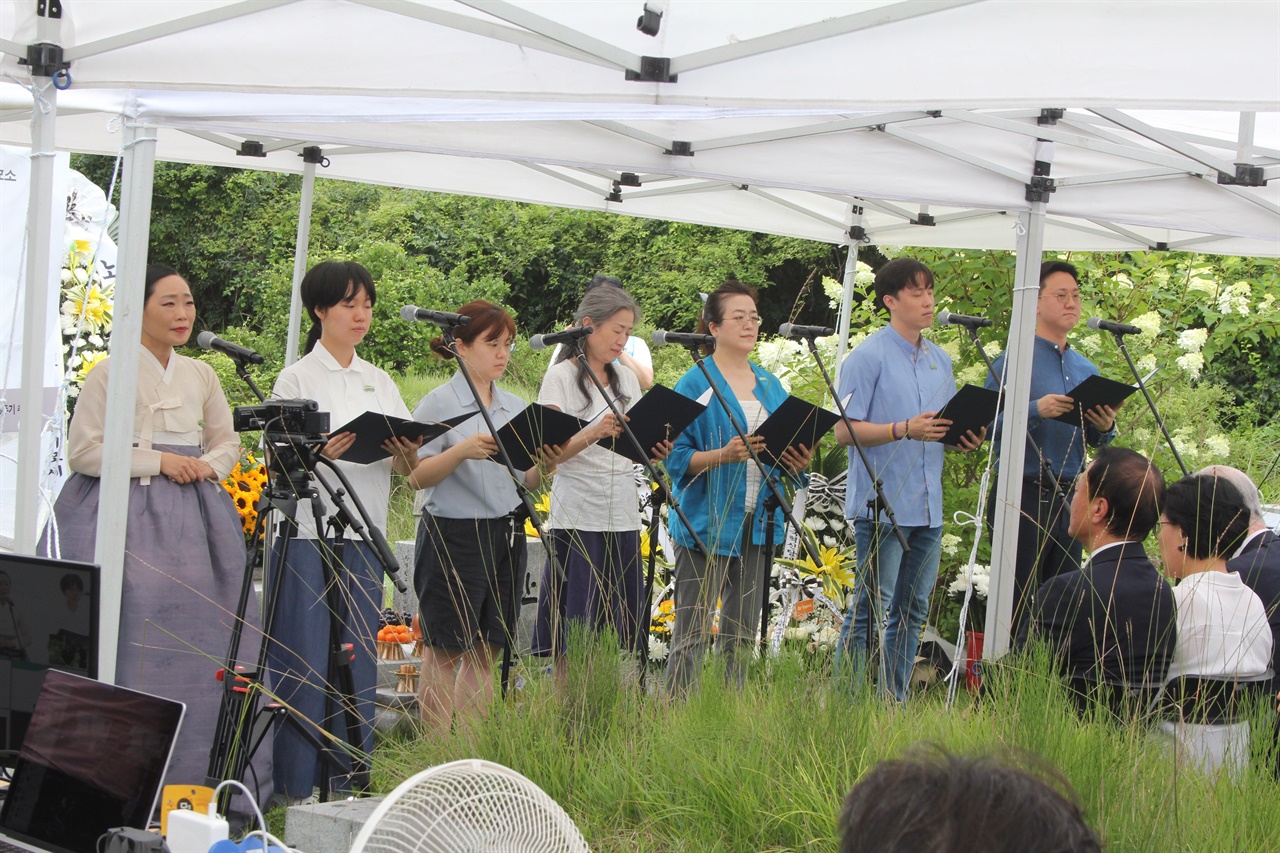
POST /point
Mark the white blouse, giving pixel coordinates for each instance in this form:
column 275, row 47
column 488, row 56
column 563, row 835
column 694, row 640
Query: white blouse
column 1222, row 628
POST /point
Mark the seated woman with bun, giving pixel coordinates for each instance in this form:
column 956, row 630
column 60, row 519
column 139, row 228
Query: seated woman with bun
column 1223, row 635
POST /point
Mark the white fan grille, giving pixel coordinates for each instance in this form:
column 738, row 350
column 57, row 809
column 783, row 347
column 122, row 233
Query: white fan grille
column 469, row 806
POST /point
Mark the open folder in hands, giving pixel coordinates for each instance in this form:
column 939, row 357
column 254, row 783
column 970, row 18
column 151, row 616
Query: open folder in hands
column 661, row 415
column 536, row 425
column 792, row 424
column 372, row 429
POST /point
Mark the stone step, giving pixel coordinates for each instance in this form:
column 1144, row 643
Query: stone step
column 329, row 827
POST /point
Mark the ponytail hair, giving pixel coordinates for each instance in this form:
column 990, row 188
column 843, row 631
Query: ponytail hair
column 488, row 322
column 328, row 283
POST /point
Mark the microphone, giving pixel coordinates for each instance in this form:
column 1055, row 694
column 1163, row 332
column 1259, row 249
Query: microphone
column 440, row 318
column 565, row 337
column 1099, row 324
column 966, row 320
column 791, row 330
column 684, row 339
column 235, row 352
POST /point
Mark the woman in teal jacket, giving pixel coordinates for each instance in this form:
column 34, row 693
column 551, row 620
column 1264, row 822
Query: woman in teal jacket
column 715, row 482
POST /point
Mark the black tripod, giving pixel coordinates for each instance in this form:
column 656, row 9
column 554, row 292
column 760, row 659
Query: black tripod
column 658, row 496
column 775, row 500
column 242, row 725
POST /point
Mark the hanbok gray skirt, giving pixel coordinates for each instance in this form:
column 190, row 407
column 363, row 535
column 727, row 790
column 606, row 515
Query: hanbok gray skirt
column 183, row 568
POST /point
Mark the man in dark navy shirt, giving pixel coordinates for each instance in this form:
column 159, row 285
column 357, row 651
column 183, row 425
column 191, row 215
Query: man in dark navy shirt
column 1055, row 452
column 1111, row 622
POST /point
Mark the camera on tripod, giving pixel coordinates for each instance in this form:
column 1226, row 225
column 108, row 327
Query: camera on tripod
column 292, row 420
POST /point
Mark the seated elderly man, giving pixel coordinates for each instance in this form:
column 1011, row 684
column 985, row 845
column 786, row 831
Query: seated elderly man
column 1112, row 622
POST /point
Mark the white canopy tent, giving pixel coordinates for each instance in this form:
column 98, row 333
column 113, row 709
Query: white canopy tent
column 1087, row 123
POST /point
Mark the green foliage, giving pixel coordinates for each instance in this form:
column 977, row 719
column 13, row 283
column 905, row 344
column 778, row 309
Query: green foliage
column 766, row 768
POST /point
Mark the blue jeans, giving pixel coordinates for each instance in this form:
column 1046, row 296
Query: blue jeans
column 905, row 581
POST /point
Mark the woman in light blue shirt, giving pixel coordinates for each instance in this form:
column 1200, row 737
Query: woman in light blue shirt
column 471, row 544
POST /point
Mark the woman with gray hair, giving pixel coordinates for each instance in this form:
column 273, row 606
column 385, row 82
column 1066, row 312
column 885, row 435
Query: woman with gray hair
column 593, row 527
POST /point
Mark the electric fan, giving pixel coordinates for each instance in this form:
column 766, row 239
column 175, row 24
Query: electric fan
column 469, row 806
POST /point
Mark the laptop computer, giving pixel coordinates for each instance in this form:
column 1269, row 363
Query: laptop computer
column 94, row 758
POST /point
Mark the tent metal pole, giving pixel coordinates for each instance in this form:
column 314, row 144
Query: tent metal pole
column 1017, row 365
column 300, row 261
column 122, row 386
column 35, row 308
column 846, row 292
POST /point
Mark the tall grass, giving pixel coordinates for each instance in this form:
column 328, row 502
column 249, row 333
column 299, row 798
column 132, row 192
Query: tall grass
column 765, row 769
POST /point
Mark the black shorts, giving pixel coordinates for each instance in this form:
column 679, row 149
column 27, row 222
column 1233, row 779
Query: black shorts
column 463, row 574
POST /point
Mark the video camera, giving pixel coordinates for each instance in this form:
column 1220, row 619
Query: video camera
column 297, row 420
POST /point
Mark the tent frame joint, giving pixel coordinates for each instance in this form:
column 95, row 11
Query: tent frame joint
column 1039, row 188
column 314, row 155
column 653, row 69
column 45, row 59
column 251, row 148
column 1050, row 115
column 921, row 219
column 1247, row 175
column 680, row 148
column 858, row 233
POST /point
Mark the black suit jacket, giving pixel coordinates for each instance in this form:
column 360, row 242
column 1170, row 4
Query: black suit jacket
column 1112, row 621
column 1259, row 568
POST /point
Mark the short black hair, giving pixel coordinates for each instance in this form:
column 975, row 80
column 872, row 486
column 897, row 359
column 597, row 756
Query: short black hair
column 69, row 582
column 1210, row 512
column 713, row 310
column 155, row 272
column 599, row 280
column 934, row 802
column 1133, row 488
column 328, row 283
column 898, row 274
column 1048, row 268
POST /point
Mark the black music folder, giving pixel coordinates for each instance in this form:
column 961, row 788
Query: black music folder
column 972, row 408
column 1094, row 391
column 661, row 415
column 373, row 428
column 535, row 426
column 793, row 423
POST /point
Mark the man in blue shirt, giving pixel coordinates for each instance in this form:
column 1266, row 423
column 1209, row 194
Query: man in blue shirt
column 898, row 382
column 1055, row 453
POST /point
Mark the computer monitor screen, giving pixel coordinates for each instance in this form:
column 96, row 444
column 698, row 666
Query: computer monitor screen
column 48, row 618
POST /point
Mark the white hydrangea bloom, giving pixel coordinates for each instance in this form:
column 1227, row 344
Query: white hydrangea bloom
column 1192, row 340
column 1088, row 343
column 1161, row 276
column 1268, row 299
column 1203, row 285
column 1123, row 281
column 833, row 289
column 1147, row 363
column 863, row 274
column 951, row 348
column 1149, row 323
column 1192, row 363
column 1236, row 299
column 974, row 374
column 1219, row 445
column 993, row 349
column 950, row 544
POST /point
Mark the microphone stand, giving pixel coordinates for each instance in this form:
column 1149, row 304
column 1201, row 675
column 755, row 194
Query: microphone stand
column 662, row 494
column 526, row 499
column 1151, row 404
column 775, row 500
column 879, row 502
column 1046, row 472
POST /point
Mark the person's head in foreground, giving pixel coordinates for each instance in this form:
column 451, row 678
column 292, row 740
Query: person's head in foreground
column 931, row 801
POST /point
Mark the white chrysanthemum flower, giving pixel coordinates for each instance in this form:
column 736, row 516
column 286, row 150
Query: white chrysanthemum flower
column 1147, row 363
column 1236, row 299
column 1219, row 445
column 1149, row 323
column 816, row 523
column 657, row 649
column 1192, row 340
column 1192, row 363
column 950, row 544
column 826, row 637
column 95, row 340
column 830, row 541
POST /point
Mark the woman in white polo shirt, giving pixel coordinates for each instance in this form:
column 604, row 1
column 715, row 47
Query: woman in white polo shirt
column 339, row 297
